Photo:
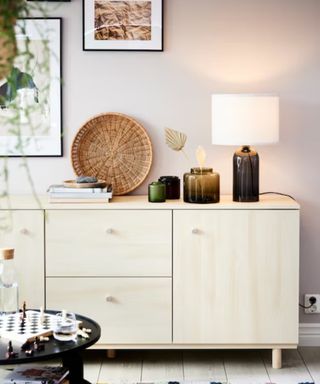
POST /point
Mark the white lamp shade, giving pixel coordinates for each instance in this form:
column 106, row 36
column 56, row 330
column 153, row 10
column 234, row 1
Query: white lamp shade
column 245, row 119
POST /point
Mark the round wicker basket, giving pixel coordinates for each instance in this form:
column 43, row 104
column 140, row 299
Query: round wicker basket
column 115, row 148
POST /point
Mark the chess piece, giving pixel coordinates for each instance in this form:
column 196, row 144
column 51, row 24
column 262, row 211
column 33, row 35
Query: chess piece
column 24, row 307
column 26, row 346
column 23, row 315
column 82, row 333
column 28, row 352
column 9, row 348
column 37, row 346
column 10, row 354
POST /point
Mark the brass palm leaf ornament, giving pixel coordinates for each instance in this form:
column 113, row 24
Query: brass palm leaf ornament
column 175, row 139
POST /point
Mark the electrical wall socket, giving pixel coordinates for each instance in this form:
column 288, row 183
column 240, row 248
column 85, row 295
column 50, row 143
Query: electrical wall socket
column 316, row 306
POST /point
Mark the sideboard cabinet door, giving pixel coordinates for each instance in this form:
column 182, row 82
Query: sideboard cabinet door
column 25, row 233
column 235, row 275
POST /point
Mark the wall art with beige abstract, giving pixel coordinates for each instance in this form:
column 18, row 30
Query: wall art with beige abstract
column 123, row 25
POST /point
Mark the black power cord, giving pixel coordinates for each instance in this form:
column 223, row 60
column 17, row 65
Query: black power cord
column 312, row 300
column 277, row 193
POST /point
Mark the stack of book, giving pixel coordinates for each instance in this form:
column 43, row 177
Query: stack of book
column 62, row 194
column 37, row 375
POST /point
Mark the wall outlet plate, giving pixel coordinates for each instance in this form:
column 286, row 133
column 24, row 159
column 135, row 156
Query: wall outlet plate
column 316, row 306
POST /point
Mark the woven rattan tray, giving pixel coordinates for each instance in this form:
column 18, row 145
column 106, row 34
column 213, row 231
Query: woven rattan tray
column 115, row 148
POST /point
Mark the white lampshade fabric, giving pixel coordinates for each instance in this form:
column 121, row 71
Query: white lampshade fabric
column 239, row 119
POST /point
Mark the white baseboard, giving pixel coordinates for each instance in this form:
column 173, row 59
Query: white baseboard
column 309, row 334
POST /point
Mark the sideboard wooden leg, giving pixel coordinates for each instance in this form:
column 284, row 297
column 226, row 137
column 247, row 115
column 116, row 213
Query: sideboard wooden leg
column 111, row 353
column 276, row 358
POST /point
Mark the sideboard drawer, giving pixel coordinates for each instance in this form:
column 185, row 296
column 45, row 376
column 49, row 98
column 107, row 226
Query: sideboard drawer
column 129, row 310
column 109, row 243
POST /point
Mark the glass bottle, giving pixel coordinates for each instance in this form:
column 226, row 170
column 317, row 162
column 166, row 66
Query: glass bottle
column 9, row 302
column 201, row 186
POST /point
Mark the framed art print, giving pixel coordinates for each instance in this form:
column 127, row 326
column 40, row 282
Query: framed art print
column 31, row 97
column 118, row 25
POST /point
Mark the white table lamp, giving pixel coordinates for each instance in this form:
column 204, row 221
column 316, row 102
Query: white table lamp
column 245, row 120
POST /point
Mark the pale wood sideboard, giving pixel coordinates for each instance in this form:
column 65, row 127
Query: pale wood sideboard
column 165, row 275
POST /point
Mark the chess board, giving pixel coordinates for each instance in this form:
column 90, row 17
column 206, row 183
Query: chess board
column 13, row 328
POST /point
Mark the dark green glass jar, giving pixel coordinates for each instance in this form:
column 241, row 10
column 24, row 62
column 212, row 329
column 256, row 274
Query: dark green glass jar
column 157, row 192
column 201, row 186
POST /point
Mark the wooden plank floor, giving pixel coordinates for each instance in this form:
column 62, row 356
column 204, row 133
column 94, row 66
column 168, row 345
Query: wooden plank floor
column 234, row 367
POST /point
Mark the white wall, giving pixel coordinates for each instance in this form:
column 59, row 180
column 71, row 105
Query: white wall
column 210, row 46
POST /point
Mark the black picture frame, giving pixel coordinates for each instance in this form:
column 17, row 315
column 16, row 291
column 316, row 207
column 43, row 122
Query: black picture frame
column 50, row 143
column 154, row 30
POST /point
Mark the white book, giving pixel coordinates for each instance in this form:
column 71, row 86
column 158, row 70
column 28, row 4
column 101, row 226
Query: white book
column 60, row 195
column 57, row 188
column 59, row 200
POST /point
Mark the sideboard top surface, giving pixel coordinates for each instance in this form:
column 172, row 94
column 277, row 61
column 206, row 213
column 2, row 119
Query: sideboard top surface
column 141, row 202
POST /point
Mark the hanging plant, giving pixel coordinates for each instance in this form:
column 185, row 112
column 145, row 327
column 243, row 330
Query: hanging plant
column 10, row 11
column 13, row 53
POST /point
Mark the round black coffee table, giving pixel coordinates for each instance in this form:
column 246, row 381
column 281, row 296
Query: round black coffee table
column 68, row 351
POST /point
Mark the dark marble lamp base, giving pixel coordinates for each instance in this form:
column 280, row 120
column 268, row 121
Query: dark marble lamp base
column 246, row 175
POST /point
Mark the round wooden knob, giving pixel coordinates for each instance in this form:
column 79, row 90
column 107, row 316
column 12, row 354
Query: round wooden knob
column 195, row 231
column 24, row 231
column 109, row 231
column 109, row 298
